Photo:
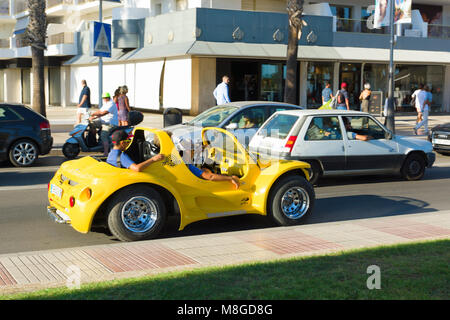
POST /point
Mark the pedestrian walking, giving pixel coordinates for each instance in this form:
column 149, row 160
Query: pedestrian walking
column 327, row 93
column 365, row 98
column 116, row 96
column 422, row 107
column 429, row 96
column 221, row 92
column 84, row 102
column 342, row 98
column 123, row 106
column 415, row 103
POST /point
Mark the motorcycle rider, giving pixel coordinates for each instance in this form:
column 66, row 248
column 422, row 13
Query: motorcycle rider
column 108, row 117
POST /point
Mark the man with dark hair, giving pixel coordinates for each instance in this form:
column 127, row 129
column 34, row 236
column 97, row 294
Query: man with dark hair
column 118, row 158
column 84, row 102
column 327, row 93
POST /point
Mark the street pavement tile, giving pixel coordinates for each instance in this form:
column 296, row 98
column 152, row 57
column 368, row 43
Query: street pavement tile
column 409, row 229
column 138, row 257
column 6, row 279
column 288, row 242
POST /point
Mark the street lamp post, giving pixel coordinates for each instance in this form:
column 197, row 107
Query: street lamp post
column 100, row 59
column 390, row 121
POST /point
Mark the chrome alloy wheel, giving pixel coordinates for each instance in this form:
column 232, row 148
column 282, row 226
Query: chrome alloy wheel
column 24, row 153
column 139, row 214
column 295, row 203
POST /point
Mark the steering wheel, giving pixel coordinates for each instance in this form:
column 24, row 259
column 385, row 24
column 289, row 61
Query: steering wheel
column 150, row 149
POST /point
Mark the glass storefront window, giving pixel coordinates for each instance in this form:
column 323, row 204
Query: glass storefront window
column 319, row 73
column 377, row 75
column 409, row 77
column 272, row 81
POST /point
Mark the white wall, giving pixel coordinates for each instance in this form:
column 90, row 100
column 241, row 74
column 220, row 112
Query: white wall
column 178, row 83
column 148, row 79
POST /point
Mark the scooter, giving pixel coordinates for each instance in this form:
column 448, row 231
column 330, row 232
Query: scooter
column 86, row 136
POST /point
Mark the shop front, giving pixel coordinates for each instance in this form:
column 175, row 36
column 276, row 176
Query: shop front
column 253, row 80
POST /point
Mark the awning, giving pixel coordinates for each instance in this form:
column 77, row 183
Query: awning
column 21, row 25
column 116, row 55
column 270, row 51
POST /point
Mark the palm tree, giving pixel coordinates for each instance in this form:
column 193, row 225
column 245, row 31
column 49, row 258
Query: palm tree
column 36, row 33
column 295, row 12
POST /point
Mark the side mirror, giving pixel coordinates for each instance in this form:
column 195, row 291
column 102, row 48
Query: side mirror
column 231, row 126
column 389, row 135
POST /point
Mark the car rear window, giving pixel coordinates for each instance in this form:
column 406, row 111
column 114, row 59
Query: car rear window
column 6, row 114
column 279, row 126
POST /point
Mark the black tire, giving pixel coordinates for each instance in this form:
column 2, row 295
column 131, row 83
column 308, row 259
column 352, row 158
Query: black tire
column 290, row 189
column 71, row 150
column 414, row 167
column 316, row 172
column 140, row 225
column 23, row 153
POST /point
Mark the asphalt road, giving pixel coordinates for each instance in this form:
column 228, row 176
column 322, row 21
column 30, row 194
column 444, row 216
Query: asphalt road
column 25, row 226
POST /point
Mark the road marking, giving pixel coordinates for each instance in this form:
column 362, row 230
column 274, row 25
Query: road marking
column 32, row 187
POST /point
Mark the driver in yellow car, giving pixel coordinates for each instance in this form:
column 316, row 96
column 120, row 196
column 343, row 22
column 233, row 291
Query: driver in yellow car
column 118, row 158
column 187, row 149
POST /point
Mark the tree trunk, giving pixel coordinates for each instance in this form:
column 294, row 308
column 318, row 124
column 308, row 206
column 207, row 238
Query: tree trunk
column 36, row 34
column 38, row 102
column 295, row 11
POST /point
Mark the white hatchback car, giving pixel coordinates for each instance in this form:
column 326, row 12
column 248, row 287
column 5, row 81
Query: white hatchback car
column 337, row 142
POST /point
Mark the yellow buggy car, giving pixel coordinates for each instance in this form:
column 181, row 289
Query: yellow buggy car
column 135, row 205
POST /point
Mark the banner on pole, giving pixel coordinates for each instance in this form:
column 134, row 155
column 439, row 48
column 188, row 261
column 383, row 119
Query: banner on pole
column 402, row 11
column 382, row 13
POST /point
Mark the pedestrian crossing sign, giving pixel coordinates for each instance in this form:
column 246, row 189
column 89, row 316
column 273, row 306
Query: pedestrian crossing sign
column 102, row 39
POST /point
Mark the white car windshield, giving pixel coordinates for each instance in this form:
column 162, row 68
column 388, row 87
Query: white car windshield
column 212, row 117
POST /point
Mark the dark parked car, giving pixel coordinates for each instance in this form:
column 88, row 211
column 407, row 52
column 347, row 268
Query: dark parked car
column 24, row 135
column 439, row 136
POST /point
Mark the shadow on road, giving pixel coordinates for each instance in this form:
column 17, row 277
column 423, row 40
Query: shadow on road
column 326, row 210
column 434, row 173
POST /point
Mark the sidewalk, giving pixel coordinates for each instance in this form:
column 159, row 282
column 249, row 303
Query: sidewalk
column 44, row 269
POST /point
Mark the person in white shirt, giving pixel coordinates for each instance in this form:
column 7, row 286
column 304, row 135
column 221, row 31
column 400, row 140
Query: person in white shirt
column 422, row 108
column 108, row 117
column 221, row 92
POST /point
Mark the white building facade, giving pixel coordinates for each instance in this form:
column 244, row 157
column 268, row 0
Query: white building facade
column 172, row 53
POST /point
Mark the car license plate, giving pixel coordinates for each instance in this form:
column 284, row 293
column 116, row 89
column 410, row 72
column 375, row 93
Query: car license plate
column 57, row 191
column 441, row 141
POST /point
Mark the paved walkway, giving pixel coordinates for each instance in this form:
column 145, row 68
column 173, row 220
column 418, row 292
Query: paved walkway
column 38, row 270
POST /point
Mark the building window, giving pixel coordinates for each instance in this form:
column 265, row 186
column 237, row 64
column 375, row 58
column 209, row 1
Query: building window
column 158, row 9
column 377, row 75
column 409, row 77
column 272, row 81
column 181, row 5
column 319, row 73
column 26, row 86
column 343, row 16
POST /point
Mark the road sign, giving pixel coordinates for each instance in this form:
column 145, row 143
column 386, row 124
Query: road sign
column 102, row 39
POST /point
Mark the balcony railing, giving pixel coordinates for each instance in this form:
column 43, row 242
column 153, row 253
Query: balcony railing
column 4, row 7
column 438, row 31
column 61, row 38
column 4, row 44
column 54, row 3
column 360, row 26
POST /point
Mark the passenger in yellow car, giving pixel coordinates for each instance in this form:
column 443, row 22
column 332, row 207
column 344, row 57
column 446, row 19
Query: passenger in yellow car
column 118, row 158
column 186, row 147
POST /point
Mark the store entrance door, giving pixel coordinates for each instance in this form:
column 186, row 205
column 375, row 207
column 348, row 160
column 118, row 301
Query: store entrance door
column 351, row 74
